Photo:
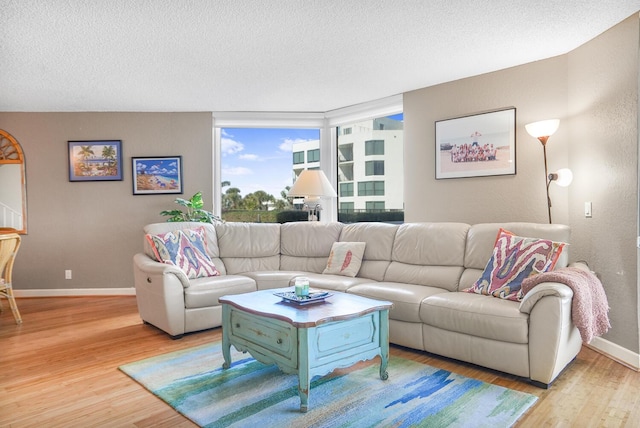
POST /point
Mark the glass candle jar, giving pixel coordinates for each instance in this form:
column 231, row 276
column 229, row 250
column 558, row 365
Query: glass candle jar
column 302, row 286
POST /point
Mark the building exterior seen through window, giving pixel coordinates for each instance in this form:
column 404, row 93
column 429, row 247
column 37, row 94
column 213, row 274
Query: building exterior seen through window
column 370, row 170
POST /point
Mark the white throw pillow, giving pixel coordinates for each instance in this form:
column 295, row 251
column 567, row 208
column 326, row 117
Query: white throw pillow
column 345, row 258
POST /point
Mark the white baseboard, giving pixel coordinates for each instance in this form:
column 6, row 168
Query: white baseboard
column 75, row 292
column 616, row 352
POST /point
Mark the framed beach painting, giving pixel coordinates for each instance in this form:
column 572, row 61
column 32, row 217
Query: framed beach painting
column 99, row 160
column 476, row 145
column 157, row 175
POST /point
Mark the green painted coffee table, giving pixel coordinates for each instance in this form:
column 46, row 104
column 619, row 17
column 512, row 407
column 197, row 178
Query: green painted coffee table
column 307, row 340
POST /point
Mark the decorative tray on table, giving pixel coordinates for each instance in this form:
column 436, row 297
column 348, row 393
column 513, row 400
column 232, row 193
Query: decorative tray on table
column 314, row 297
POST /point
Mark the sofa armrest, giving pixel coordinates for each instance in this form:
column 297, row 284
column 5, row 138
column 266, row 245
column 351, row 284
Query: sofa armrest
column 553, row 338
column 542, row 290
column 160, row 294
column 146, row 264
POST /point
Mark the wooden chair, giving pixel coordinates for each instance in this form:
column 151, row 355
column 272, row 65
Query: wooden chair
column 9, row 244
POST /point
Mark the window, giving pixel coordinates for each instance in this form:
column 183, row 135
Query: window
column 375, row 206
column 374, row 147
column 258, row 166
column 298, row 157
column 313, row 155
column 346, row 207
column 360, row 177
column 374, row 168
column 254, row 158
column 346, row 189
column 371, row 188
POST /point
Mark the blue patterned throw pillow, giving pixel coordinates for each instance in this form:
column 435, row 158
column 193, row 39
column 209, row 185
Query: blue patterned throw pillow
column 185, row 249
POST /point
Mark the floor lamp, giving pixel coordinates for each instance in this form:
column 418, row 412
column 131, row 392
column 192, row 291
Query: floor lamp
column 542, row 131
column 312, row 185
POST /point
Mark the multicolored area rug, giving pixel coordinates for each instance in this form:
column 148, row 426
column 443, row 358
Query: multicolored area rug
column 251, row 394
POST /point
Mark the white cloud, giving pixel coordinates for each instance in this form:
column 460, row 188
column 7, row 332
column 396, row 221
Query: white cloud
column 249, row 156
column 238, row 170
column 230, row 147
column 287, row 145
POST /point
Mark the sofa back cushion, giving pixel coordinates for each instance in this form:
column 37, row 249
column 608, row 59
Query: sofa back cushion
column 379, row 238
column 428, row 254
column 249, row 247
column 211, row 239
column 482, row 237
column 305, row 246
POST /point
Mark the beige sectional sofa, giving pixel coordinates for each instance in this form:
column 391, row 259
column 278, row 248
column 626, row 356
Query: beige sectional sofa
column 421, row 267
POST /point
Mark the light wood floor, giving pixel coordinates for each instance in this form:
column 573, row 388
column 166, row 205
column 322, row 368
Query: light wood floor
column 60, row 369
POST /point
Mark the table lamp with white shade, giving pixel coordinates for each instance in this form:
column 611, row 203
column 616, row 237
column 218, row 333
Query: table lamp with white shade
column 312, row 185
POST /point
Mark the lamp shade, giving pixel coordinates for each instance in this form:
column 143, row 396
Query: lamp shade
column 312, row 183
column 564, row 177
column 544, row 128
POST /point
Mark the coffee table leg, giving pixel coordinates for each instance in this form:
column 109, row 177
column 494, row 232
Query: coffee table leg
column 304, row 382
column 384, row 344
column 226, row 343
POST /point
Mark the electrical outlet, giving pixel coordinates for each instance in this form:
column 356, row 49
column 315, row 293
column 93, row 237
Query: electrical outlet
column 67, row 274
column 587, row 209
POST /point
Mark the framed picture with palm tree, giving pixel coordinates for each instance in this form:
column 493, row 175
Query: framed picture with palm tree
column 99, row 160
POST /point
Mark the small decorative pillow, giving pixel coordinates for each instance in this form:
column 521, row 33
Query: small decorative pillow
column 514, row 259
column 345, row 258
column 185, row 249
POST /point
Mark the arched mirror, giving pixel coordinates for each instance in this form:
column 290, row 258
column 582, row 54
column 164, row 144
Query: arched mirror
column 13, row 190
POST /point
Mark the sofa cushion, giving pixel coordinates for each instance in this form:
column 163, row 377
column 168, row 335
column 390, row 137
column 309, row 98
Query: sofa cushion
column 185, row 249
column 406, row 298
column 379, row 238
column 247, row 247
column 205, row 292
column 514, row 259
column 345, row 258
column 333, row 282
column 476, row 315
column 305, row 246
column 269, row 279
column 429, row 254
column 482, row 237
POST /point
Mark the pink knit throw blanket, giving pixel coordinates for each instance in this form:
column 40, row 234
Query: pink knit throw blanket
column 589, row 307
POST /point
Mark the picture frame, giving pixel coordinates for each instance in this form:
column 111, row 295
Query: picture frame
column 477, row 145
column 95, row 160
column 157, row 175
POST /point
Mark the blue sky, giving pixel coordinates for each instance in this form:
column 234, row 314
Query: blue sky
column 157, row 166
column 260, row 159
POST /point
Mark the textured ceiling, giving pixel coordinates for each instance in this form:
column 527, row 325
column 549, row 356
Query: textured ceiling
column 277, row 55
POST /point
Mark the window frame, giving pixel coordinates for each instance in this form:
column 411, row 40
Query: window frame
column 326, row 122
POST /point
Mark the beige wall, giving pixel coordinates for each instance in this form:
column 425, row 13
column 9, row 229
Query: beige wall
column 94, row 228
column 594, row 91
column 603, row 124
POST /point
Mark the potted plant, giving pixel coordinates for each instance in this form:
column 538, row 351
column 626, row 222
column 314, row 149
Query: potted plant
column 193, row 211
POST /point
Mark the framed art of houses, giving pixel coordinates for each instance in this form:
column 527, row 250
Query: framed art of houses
column 476, row 145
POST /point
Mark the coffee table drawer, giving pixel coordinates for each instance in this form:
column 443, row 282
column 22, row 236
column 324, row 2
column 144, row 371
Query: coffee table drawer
column 346, row 336
column 276, row 336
